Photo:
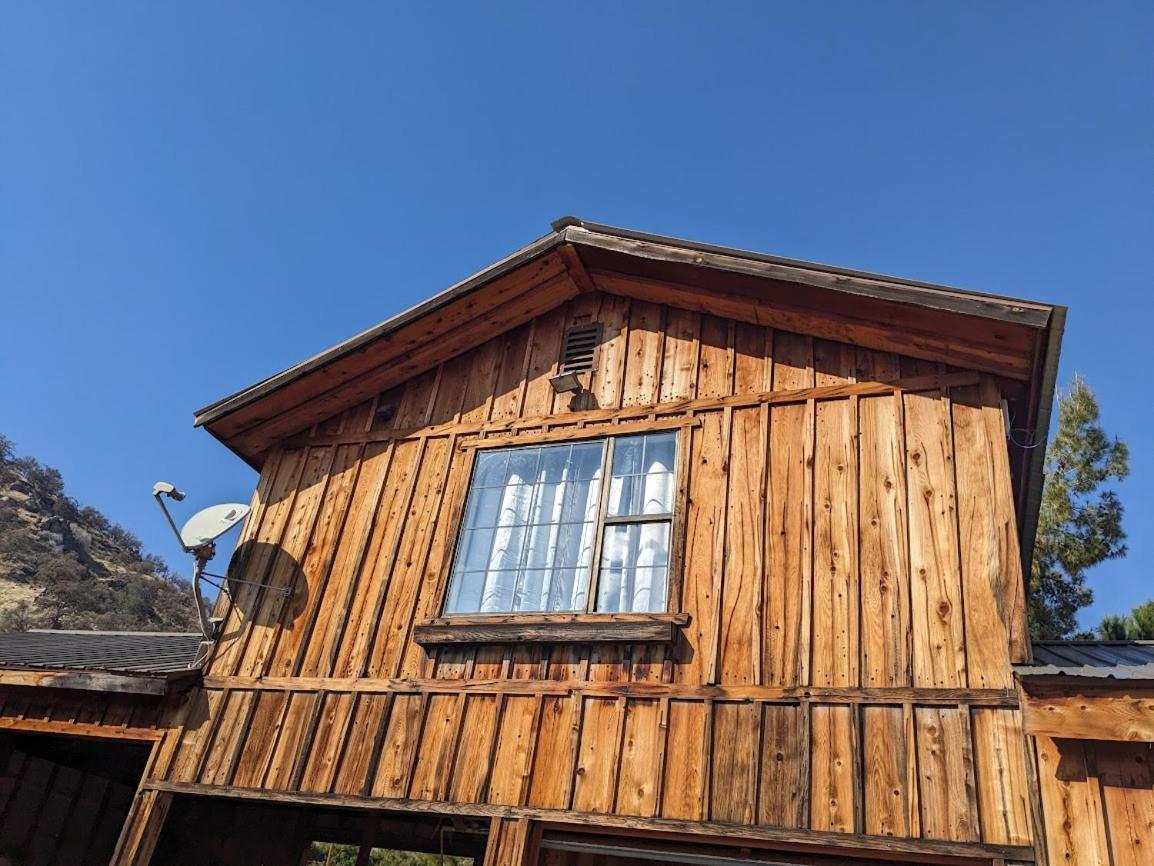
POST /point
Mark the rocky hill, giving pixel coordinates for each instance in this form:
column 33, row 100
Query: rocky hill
column 68, row 566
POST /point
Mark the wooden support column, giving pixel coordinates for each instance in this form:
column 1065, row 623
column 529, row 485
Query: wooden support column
column 508, row 842
column 142, row 828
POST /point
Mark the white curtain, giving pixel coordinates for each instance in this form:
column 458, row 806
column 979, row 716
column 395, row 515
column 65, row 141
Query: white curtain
column 527, row 539
column 531, row 522
column 635, row 555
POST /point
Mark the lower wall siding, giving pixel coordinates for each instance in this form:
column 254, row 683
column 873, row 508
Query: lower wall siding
column 950, row 772
column 1098, row 801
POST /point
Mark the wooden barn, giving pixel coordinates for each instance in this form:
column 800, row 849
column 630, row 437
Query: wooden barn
column 629, row 549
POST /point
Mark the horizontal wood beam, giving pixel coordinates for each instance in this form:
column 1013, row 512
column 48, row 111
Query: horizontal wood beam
column 571, row 434
column 565, row 628
column 660, row 411
column 78, row 729
column 944, row 697
column 96, row 681
column 1128, row 717
column 732, row 832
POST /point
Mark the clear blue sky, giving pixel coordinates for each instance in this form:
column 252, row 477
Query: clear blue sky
column 193, row 196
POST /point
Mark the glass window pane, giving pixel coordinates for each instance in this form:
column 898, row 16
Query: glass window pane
column 531, row 522
column 642, row 476
column 635, row 544
column 490, row 469
column 528, row 531
column 634, row 562
column 632, row 590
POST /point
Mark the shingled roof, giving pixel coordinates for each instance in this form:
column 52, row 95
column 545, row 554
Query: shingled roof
column 1115, row 659
column 140, row 662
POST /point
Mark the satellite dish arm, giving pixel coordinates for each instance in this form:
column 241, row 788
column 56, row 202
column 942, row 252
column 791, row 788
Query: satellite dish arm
column 203, row 555
column 163, row 489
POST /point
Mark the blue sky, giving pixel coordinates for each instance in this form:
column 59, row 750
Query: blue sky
column 193, row 196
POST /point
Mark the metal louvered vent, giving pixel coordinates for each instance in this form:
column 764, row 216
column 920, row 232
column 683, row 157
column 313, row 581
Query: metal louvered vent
column 580, row 344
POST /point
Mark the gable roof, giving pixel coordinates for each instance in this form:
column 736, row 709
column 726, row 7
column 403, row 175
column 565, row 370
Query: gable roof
column 1016, row 339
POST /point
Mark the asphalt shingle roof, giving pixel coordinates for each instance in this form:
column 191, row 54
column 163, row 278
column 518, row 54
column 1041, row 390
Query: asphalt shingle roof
column 127, row 652
column 1120, row 659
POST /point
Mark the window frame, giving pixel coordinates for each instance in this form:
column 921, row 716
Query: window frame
column 589, row 616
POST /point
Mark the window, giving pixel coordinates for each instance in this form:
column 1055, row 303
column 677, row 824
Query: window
column 542, row 534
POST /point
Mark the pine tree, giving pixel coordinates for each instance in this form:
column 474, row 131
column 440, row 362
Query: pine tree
column 1138, row 625
column 1080, row 520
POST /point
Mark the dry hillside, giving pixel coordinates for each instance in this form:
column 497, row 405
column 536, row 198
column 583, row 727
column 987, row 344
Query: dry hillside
column 67, row 566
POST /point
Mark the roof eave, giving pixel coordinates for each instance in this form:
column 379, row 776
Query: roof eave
column 155, row 684
column 226, row 405
column 578, row 232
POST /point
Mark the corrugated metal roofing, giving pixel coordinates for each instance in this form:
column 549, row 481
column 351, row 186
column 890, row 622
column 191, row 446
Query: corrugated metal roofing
column 128, row 652
column 1121, row 659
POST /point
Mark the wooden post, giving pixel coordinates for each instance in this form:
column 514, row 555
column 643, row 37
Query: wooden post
column 142, row 828
column 508, row 842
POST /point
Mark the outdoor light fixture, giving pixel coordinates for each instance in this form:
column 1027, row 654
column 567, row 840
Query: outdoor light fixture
column 564, row 383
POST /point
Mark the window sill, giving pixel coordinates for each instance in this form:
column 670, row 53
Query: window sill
column 550, row 628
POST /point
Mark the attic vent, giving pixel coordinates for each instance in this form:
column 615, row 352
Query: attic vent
column 580, row 344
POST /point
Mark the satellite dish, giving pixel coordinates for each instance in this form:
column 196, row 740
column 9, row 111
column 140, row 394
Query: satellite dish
column 199, row 538
column 208, row 525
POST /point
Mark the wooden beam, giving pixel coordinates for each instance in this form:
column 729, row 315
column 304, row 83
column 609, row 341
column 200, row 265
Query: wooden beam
column 1128, row 716
column 566, row 628
column 1007, row 698
column 142, row 828
column 576, row 268
column 96, row 681
column 872, row 286
column 79, row 729
column 841, row 841
column 624, row 417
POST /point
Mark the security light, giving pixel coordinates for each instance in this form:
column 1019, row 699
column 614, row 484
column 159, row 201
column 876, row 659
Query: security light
column 564, row 383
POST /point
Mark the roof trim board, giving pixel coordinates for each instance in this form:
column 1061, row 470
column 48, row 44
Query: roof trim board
column 118, row 682
column 641, row 244
column 232, row 402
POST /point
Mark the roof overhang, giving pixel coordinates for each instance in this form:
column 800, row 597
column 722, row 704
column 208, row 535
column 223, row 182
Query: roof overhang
column 117, row 682
column 1015, row 339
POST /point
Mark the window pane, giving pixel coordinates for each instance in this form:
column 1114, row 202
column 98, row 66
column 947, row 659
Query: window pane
column 642, row 476
column 528, row 532
column 634, row 563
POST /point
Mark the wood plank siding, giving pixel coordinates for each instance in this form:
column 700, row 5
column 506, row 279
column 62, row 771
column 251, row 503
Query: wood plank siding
column 848, row 562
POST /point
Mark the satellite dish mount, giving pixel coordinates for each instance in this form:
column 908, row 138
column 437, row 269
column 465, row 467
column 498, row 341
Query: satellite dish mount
column 198, row 537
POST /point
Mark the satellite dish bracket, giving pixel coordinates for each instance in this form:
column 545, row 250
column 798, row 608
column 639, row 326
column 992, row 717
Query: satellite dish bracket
column 199, row 539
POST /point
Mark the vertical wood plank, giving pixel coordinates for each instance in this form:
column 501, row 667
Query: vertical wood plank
column 832, row 774
column 945, row 766
column 938, row 638
column 744, row 560
column 789, row 558
column 884, row 546
column 885, row 771
column 785, row 748
column 680, row 797
column 1002, row 778
column 983, row 571
column 733, row 771
column 703, row 560
column 637, row 777
column 835, row 641
column 679, row 355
